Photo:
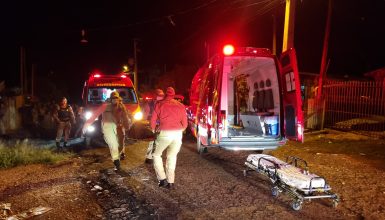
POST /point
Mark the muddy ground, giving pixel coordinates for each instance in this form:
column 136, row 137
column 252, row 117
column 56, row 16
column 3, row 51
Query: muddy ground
column 210, row 186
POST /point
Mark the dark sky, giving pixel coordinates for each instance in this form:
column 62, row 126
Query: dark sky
column 174, row 32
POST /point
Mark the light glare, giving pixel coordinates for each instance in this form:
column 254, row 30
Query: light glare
column 228, row 49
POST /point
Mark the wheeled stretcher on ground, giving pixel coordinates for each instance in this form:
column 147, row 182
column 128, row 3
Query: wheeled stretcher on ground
column 291, row 177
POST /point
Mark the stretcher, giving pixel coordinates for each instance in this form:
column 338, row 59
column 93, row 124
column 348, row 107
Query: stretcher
column 291, row 177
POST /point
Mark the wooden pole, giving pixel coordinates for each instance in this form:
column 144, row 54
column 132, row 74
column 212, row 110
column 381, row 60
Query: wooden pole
column 324, row 63
column 274, row 36
column 322, row 75
column 33, row 80
column 288, row 31
column 135, row 65
column 22, row 70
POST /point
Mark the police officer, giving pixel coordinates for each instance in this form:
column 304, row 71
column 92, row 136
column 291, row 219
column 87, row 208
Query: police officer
column 151, row 106
column 172, row 119
column 114, row 117
column 64, row 116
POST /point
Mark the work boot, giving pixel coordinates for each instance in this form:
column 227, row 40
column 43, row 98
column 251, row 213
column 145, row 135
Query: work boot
column 117, row 165
column 163, row 183
column 58, row 147
column 170, row 186
column 65, row 144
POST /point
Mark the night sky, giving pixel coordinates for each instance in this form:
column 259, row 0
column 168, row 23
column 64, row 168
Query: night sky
column 175, row 31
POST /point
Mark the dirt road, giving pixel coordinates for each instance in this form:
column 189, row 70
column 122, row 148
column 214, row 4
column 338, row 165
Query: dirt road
column 211, row 186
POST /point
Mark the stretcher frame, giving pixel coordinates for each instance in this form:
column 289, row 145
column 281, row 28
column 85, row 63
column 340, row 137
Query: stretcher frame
column 298, row 195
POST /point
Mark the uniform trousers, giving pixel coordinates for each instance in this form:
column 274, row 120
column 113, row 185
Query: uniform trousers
column 172, row 142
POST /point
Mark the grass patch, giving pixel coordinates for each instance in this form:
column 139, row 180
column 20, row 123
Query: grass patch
column 23, row 153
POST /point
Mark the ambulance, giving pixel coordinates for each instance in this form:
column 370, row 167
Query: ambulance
column 246, row 98
column 97, row 90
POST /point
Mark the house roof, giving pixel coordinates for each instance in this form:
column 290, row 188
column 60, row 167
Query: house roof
column 378, row 74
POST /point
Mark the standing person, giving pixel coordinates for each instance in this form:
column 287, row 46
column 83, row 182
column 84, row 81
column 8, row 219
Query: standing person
column 114, row 117
column 63, row 116
column 80, row 120
column 172, row 119
column 150, row 110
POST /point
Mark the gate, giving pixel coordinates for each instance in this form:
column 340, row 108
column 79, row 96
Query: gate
column 355, row 106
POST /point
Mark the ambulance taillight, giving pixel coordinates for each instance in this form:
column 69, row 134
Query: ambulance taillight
column 228, row 50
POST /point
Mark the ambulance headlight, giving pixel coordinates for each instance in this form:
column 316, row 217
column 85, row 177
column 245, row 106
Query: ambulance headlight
column 138, row 116
column 88, row 115
column 91, row 129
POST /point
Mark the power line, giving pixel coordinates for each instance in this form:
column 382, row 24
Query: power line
column 267, row 5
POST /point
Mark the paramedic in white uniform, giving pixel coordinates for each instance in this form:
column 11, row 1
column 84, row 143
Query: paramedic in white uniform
column 113, row 116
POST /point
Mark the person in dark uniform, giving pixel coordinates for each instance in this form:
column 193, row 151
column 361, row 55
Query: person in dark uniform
column 63, row 116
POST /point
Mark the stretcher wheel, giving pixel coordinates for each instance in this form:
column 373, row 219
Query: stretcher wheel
column 335, row 203
column 245, row 172
column 296, row 205
column 275, row 191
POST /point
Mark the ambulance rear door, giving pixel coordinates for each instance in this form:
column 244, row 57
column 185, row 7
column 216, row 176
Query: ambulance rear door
column 291, row 96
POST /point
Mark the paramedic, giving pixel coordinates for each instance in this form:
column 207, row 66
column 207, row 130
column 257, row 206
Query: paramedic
column 150, row 110
column 63, row 116
column 172, row 119
column 114, row 117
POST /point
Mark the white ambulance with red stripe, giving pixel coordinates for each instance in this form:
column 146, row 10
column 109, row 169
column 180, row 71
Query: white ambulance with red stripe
column 246, row 99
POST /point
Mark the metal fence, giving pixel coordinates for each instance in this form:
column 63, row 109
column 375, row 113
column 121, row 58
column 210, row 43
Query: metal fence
column 355, row 106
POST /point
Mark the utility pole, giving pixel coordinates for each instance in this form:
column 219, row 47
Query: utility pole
column 135, row 64
column 33, row 80
column 274, row 36
column 288, row 31
column 322, row 74
column 324, row 65
column 22, row 57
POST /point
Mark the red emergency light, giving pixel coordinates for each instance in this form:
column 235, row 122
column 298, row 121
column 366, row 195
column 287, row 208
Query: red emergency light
column 123, row 76
column 228, row 50
column 97, row 75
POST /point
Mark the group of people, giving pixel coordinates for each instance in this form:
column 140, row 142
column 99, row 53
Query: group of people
column 168, row 121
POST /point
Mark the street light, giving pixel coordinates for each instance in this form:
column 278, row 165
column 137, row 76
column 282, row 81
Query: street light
column 83, row 40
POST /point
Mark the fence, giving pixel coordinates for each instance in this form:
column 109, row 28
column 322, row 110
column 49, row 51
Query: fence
column 11, row 118
column 351, row 106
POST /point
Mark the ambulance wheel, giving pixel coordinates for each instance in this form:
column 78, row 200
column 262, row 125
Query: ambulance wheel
column 275, row 191
column 296, row 205
column 200, row 148
column 87, row 141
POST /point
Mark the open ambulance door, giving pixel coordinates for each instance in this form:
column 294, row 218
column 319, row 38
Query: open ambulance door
column 291, row 91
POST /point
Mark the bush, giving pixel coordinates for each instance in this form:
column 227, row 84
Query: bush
column 22, row 153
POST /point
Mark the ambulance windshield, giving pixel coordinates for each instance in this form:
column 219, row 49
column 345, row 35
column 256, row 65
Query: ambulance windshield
column 99, row 95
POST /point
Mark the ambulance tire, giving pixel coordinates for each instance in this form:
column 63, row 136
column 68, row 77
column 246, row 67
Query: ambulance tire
column 200, row 148
column 87, row 141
